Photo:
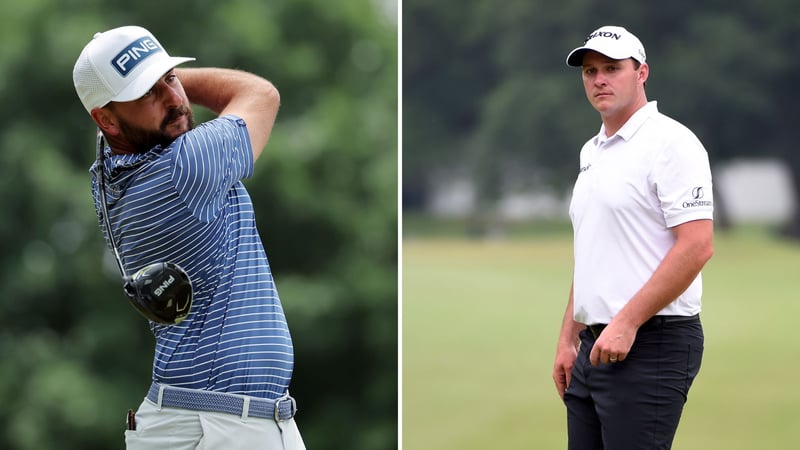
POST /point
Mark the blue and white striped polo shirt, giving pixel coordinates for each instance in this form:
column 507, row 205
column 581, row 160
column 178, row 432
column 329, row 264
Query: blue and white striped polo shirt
column 186, row 204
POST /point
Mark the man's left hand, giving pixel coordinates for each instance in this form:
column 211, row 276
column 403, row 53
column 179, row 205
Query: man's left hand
column 613, row 344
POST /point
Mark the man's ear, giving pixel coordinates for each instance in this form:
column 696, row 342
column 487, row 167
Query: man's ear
column 644, row 72
column 106, row 121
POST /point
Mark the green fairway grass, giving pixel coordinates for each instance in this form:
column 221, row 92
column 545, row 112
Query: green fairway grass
column 481, row 318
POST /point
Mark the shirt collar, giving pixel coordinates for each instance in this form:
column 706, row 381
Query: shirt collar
column 632, row 125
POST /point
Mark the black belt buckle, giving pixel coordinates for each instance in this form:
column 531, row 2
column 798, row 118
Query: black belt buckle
column 596, row 329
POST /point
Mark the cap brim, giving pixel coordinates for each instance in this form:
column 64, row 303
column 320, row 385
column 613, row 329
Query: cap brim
column 145, row 80
column 575, row 57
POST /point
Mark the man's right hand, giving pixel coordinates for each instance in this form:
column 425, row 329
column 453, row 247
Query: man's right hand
column 566, row 354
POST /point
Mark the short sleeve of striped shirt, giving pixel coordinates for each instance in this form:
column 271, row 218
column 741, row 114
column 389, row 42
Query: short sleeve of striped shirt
column 208, row 161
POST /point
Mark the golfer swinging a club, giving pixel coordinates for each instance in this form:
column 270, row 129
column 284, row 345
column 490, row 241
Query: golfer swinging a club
column 170, row 197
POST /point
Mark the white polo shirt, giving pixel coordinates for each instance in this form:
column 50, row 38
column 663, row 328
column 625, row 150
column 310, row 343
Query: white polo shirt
column 653, row 174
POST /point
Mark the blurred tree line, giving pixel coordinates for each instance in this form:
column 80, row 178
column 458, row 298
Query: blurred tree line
column 486, row 88
column 74, row 356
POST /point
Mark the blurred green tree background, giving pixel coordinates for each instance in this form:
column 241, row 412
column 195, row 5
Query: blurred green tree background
column 494, row 96
column 74, row 356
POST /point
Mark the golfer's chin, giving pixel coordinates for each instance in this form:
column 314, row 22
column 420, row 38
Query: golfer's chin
column 602, row 104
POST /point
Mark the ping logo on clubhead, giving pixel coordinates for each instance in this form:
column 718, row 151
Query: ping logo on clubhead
column 136, row 52
column 167, row 283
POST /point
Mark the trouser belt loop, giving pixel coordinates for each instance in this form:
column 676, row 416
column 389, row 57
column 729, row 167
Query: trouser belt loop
column 160, row 396
column 246, row 408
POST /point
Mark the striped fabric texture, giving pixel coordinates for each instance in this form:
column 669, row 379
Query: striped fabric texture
column 186, row 204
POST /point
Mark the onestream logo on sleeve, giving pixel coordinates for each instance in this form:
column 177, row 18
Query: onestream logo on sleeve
column 133, row 54
column 697, row 194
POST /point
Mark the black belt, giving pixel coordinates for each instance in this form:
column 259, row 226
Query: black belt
column 655, row 321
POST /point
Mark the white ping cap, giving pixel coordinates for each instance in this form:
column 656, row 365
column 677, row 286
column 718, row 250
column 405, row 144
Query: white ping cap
column 120, row 65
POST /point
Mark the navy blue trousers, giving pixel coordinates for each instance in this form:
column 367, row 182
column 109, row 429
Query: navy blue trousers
column 636, row 403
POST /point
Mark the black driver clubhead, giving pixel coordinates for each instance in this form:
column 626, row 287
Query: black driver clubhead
column 162, row 292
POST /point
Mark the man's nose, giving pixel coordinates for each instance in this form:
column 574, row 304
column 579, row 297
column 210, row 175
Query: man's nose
column 600, row 80
column 170, row 95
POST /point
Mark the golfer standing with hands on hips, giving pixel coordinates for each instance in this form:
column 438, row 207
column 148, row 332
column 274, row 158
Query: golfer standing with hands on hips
column 631, row 341
column 174, row 193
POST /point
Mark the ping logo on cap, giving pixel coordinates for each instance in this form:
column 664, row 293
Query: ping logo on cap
column 135, row 53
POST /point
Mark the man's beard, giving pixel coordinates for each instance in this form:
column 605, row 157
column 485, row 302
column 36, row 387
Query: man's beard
column 143, row 139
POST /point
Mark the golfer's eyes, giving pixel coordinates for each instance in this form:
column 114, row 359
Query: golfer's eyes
column 606, row 69
column 170, row 78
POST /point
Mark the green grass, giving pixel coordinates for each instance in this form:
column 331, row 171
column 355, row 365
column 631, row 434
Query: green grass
column 481, row 317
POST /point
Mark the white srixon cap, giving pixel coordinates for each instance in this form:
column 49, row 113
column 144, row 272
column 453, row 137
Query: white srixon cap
column 120, row 65
column 614, row 42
